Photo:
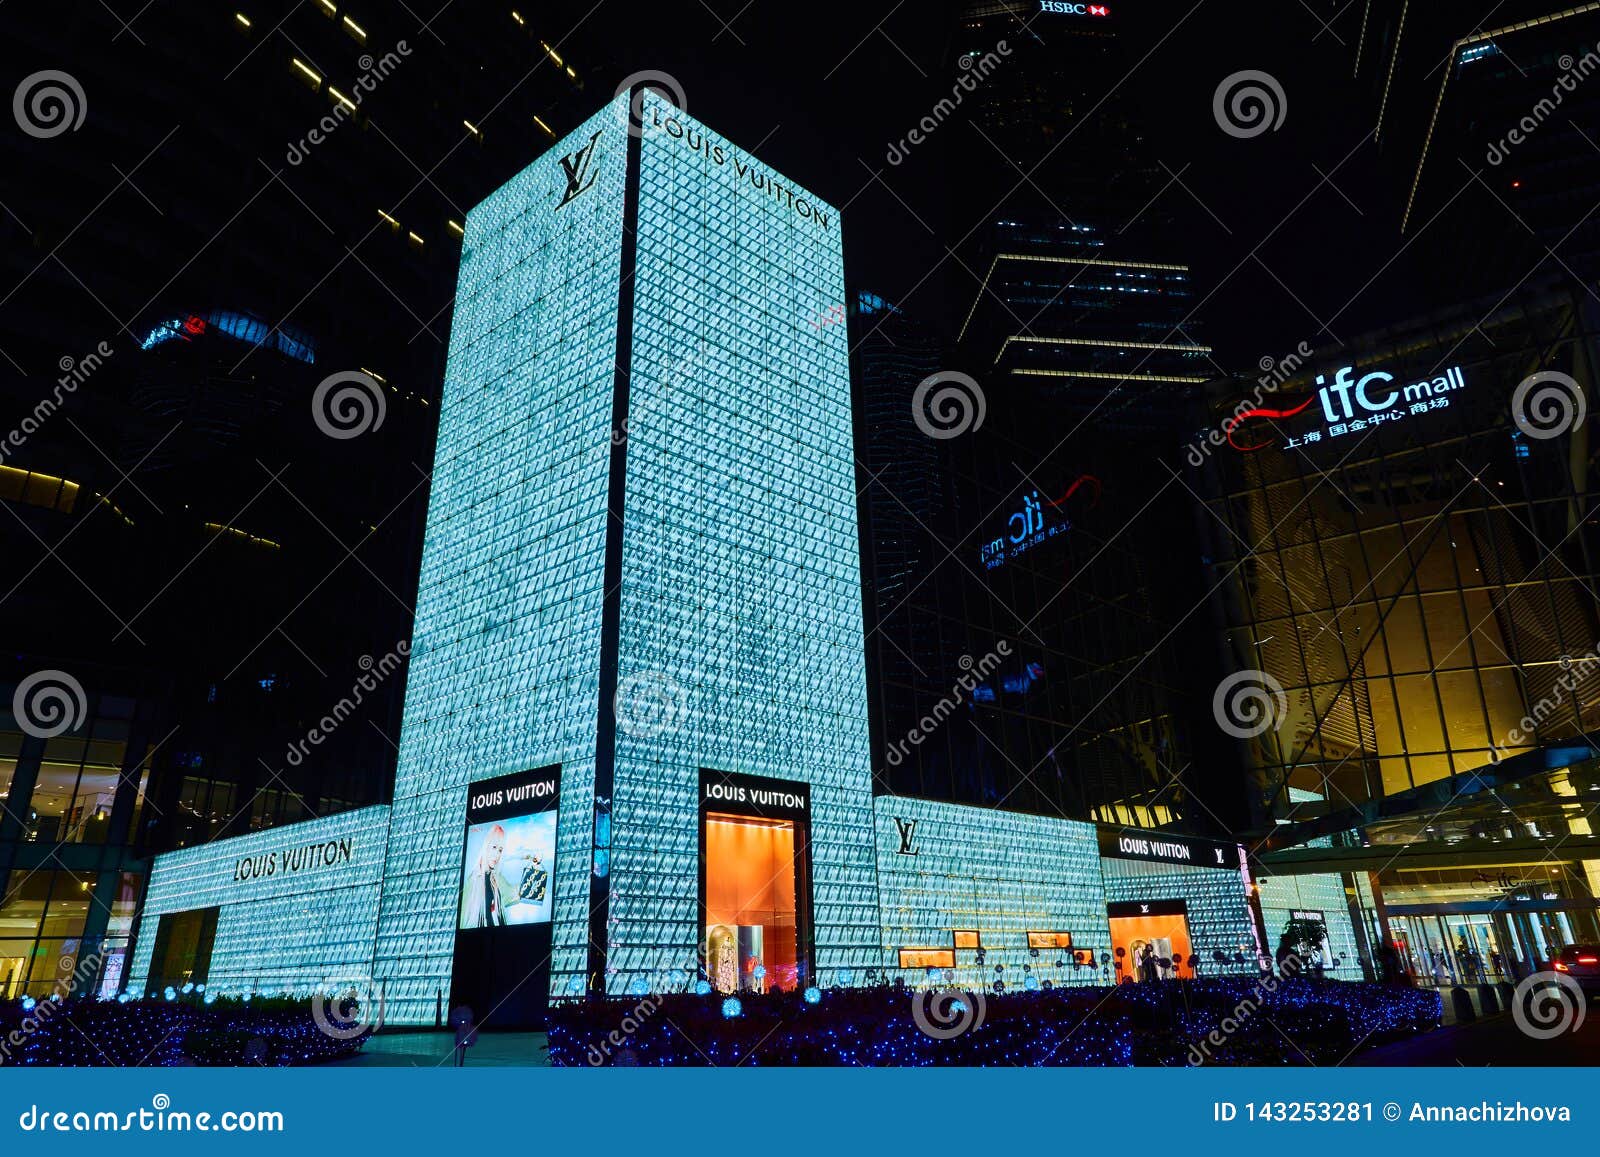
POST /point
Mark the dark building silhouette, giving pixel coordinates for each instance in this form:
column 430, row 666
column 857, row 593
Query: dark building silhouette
column 1485, row 126
column 1075, row 317
column 225, row 293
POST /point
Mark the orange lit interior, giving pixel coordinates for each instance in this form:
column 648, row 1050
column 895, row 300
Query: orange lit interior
column 927, row 958
column 1131, row 933
column 750, row 903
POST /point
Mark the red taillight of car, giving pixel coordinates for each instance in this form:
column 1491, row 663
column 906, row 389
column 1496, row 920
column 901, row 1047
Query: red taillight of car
column 1560, row 967
column 1589, row 960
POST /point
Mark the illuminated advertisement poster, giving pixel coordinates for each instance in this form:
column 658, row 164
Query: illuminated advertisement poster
column 502, row 953
column 1150, row 940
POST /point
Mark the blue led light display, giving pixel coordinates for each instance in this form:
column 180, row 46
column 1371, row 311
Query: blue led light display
column 944, row 868
column 738, row 581
column 298, row 905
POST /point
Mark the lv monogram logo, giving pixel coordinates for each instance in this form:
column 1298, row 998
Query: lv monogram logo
column 580, row 171
column 908, row 836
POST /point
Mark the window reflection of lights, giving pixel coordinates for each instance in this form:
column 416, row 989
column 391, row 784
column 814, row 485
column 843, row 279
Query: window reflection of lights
column 312, row 75
column 355, row 30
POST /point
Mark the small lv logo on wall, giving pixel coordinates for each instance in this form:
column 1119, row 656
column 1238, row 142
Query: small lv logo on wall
column 579, row 169
column 908, row 836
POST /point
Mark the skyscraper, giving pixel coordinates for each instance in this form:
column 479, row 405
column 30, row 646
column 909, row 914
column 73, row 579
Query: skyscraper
column 640, row 579
column 1483, row 124
column 1076, row 316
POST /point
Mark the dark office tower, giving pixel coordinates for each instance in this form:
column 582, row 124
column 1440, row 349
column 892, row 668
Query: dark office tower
column 904, row 507
column 1486, row 129
column 1075, row 314
column 1079, row 299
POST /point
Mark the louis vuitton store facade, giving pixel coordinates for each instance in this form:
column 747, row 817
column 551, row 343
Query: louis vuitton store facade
column 969, row 896
column 635, row 754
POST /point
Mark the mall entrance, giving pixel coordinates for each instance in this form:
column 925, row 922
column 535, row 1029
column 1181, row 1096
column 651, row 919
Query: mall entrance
column 1448, row 944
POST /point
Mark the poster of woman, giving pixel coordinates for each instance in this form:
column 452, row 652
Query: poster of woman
column 506, row 873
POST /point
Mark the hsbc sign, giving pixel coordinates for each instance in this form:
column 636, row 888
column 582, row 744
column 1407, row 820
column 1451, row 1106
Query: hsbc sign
column 1064, row 8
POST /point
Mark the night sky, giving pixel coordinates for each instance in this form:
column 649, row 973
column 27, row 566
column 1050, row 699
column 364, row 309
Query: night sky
column 820, row 93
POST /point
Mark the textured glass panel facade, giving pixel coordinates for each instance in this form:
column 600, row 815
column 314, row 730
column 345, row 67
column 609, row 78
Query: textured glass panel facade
column 505, row 655
column 998, row 873
column 1218, row 910
column 741, row 578
column 736, row 580
column 310, row 921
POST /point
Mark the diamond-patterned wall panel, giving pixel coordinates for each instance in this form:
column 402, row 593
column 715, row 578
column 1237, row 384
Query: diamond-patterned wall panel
column 504, row 669
column 741, row 581
column 998, row 873
column 1282, row 895
column 305, row 916
column 1218, row 909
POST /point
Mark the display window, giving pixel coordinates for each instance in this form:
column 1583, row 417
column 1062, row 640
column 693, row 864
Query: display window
column 755, row 883
column 1150, row 941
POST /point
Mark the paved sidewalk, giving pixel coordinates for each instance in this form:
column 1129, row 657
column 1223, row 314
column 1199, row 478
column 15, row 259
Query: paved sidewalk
column 1494, row 1041
column 431, row 1049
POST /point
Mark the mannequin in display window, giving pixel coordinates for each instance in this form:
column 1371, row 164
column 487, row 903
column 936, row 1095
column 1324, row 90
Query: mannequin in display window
column 722, row 959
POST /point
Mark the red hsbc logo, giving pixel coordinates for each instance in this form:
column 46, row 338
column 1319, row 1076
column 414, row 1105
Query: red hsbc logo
column 1066, row 8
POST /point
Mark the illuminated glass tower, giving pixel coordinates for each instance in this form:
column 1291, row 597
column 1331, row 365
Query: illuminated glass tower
column 641, row 568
